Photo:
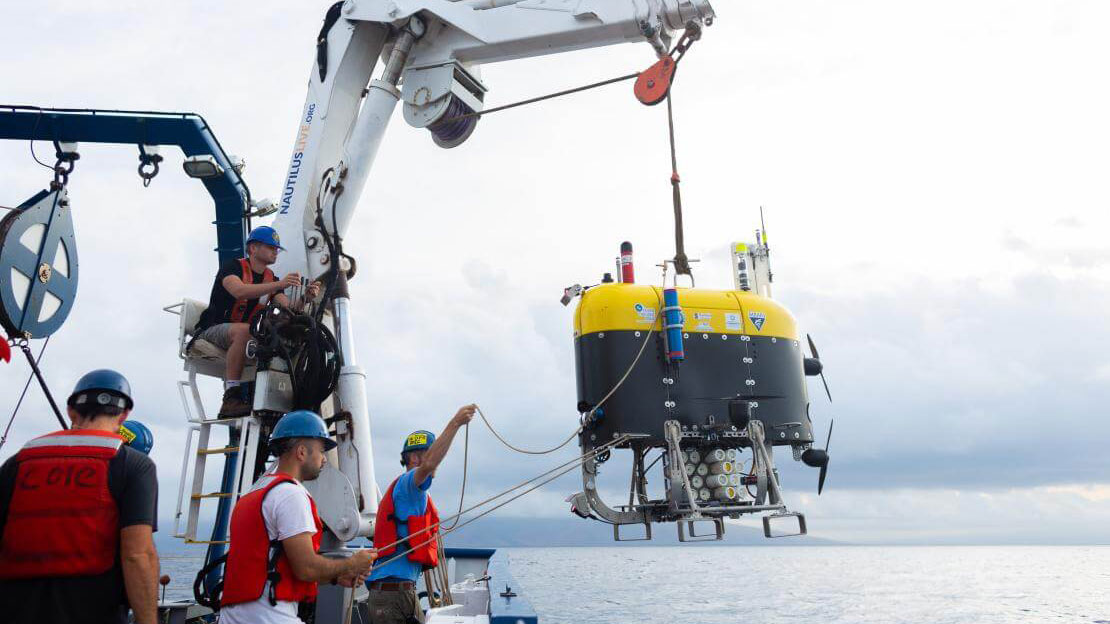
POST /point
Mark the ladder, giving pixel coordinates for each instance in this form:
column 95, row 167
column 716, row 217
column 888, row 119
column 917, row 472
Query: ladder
column 243, row 434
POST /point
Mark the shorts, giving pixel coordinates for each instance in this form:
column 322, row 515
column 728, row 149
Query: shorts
column 219, row 335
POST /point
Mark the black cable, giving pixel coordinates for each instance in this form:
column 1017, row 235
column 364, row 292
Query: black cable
column 23, row 394
column 652, row 464
column 541, row 98
column 42, row 383
column 33, row 132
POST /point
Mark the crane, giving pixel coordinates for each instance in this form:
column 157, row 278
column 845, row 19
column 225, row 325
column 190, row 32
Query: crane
column 431, row 53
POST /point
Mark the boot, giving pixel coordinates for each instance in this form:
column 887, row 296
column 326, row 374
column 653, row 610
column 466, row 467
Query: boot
column 234, row 404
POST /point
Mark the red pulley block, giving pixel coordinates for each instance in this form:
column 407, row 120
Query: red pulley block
column 654, row 83
column 5, row 350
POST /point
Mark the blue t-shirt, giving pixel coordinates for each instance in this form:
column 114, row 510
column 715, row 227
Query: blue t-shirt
column 409, row 499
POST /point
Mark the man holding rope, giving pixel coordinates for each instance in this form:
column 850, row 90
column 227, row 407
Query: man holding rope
column 273, row 564
column 406, row 509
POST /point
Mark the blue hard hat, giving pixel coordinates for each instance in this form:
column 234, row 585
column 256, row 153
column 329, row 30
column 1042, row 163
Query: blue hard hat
column 418, row 441
column 137, row 436
column 266, row 235
column 104, row 387
column 302, row 424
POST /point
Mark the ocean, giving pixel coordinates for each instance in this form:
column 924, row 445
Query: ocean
column 767, row 584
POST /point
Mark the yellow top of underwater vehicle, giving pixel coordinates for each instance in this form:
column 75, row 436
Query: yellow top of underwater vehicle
column 627, row 307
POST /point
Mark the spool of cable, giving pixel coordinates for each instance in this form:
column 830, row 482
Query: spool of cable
column 721, row 468
column 690, row 469
column 715, row 455
column 716, row 481
column 732, row 455
column 693, row 456
column 704, row 494
column 673, row 321
column 702, row 470
column 724, row 493
column 734, row 479
column 450, row 130
column 697, row 482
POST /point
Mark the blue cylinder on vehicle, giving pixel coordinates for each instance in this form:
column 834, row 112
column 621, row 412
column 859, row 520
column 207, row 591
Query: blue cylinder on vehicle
column 672, row 324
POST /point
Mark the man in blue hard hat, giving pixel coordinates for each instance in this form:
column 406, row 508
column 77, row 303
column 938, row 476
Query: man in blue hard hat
column 407, row 526
column 78, row 509
column 137, row 435
column 273, row 565
column 237, row 295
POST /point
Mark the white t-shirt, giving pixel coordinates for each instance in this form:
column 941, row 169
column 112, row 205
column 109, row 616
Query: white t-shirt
column 287, row 512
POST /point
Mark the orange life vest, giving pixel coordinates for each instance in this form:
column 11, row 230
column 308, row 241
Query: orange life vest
column 239, row 310
column 385, row 532
column 251, row 555
column 62, row 520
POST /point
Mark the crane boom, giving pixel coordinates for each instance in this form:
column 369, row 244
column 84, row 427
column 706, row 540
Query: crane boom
column 432, row 51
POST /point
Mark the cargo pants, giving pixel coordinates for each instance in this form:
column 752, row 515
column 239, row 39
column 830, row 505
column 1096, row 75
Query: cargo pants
column 395, row 607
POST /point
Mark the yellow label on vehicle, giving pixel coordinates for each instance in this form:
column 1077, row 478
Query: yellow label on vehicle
column 127, row 434
column 417, row 439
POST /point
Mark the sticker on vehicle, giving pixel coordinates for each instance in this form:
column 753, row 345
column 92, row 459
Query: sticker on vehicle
column 757, row 319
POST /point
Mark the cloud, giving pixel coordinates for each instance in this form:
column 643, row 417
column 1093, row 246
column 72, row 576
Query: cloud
column 960, row 320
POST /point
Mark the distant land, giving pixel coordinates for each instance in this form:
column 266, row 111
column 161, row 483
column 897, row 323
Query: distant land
column 573, row 531
column 513, row 532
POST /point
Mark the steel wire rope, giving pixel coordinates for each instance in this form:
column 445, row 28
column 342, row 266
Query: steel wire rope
column 541, row 98
column 560, row 470
column 679, row 47
column 23, row 394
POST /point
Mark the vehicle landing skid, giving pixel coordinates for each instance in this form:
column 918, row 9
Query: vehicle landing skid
column 617, row 534
column 689, row 534
column 769, row 531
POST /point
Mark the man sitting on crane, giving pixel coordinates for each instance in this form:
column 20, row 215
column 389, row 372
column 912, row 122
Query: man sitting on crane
column 237, row 295
column 272, row 562
column 77, row 511
column 406, row 534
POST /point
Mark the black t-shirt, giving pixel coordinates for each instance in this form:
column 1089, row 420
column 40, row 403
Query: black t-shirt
column 99, row 599
column 220, row 302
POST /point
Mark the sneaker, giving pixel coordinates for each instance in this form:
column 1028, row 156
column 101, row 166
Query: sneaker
column 234, row 405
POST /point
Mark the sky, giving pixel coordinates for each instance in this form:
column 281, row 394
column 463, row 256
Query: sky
column 933, row 181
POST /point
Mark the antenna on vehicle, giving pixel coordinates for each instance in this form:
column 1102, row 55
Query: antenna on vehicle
column 766, row 247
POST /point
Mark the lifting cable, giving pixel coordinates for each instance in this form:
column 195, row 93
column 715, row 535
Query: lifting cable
column 681, row 261
column 550, row 96
column 693, row 33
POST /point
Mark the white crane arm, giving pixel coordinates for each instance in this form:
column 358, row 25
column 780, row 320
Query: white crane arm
column 433, row 50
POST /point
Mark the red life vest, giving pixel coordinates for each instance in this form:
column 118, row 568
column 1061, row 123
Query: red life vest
column 385, row 532
column 249, row 559
column 239, row 310
column 62, row 520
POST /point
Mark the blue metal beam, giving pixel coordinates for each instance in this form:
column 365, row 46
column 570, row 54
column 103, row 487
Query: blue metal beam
column 188, row 131
column 192, row 134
